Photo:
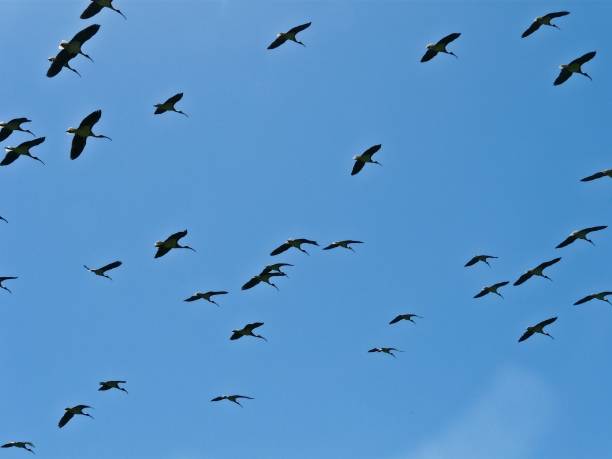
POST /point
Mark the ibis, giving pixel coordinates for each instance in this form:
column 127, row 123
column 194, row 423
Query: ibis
column 295, row 243
column 247, row 330
column 440, row 47
column 598, row 175
column 70, row 412
column 544, row 20
column 491, row 289
column 537, row 271
column 172, row 242
column 385, row 350
column 96, row 6
column 20, row 444
column 108, row 385
column 344, row 244
column 61, row 60
column 601, row 296
column 74, row 46
column 5, row 278
column 580, row 234
column 23, row 149
column 102, row 271
column 206, row 296
column 537, row 328
column 84, row 130
column 479, row 259
column 409, row 317
column 364, row 158
column 290, row 35
column 13, row 125
column 231, row 398
column 168, row 105
column 567, row 70
column 264, row 277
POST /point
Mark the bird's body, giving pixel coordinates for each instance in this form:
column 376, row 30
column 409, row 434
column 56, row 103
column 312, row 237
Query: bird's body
column 168, row 105
column 13, row 125
column 264, row 277
column 491, row 289
column 580, row 234
column 365, row 158
column 70, row 412
column 440, row 47
column 345, row 244
column 102, row 271
column 172, row 242
column 5, row 278
column 231, row 398
column 537, row 328
column 96, row 6
column 544, row 20
column 601, row 296
column 537, row 271
column 23, row 149
column 290, row 35
column 74, row 46
column 295, row 243
column 479, row 259
column 409, row 317
column 567, row 70
column 206, row 296
column 108, row 385
column 385, row 350
column 247, row 330
column 598, row 175
column 84, row 131
column 20, row 444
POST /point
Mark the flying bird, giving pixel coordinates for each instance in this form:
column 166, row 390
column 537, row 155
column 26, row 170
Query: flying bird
column 601, row 296
column 537, row 271
column 365, row 157
column 23, row 149
column 74, row 46
column 344, row 244
column 574, row 67
column 544, row 20
column 598, row 175
column 5, row 278
column 172, row 242
column 96, row 6
column 290, row 35
column 247, row 330
column 71, row 412
column 84, row 130
column 61, row 60
column 434, row 48
column 108, row 385
column 295, row 243
column 13, row 125
column 538, row 328
column 401, row 317
column 580, row 234
column 168, row 105
column 20, row 444
column 206, row 296
column 231, row 398
column 385, row 350
column 479, row 258
column 491, row 289
column 102, row 271
column 264, row 277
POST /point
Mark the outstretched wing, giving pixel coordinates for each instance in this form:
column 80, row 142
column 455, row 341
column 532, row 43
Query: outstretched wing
column 583, row 59
column 525, row 277
column 594, row 228
column 280, row 249
column 563, row 77
column 10, row 157
column 91, row 10
column 85, row 34
column 108, row 267
column 91, row 119
column 253, row 326
column 251, row 283
column 472, row 261
column 4, row 133
column 174, row 99
column 298, row 29
column 177, row 236
column 546, row 322
column 500, row 284
column 429, row 55
column 595, row 176
column 482, row 293
column 333, row 245
column 357, row 167
column 161, row 251
column 567, row 241
column 370, row 151
column 193, row 298
column 279, row 40
column 584, row 300
column 449, row 38
column 65, row 418
column 530, row 331
column 546, row 264
column 32, row 143
column 217, row 399
column 557, row 14
column 535, row 25
column 397, row 319
column 62, row 58
column 78, row 145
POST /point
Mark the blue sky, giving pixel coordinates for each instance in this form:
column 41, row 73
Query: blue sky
column 480, row 154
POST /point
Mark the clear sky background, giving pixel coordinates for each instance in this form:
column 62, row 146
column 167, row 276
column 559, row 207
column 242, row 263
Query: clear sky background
column 480, row 154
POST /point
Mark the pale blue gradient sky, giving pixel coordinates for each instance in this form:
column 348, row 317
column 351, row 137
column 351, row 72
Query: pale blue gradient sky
column 480, row 154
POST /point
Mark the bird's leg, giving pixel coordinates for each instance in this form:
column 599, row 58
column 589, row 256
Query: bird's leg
column 108, row 277
column 4, row 288
column 302, row 250
column 499, row 294
column 548, row 334
column 237, row 403
column 299, row 43
column 586, row 75
column 546, row 277
column 215, row 303
column 28, row 131
column 4, row 219
column 350, row 248
column 37, row 159
column 588, row 240
column 118, row 11
column 86, row 267
column 88, row 415
column 392, row 354
column 273, row 285
column 376, row 162
column 261, row 337
column 186, row 247
column 86, row 55
column 74, row 70
column 608, row 301
column 100, row 136
column 488, row 264
column 555, row 26
column 124, row 390
column 182, row 113
column 452, row 54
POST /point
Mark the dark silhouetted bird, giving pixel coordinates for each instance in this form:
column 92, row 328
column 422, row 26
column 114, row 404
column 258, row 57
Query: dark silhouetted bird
column 5, row 278
column 290, row 35
column 543, row 20
column 537, row 271
column 491, row 289
column 102, row 271
column 81, row 133
column 96, row 6
column 440, row 47
column 231, row 398
column 385, row 350
column 20, row 444
column 295, row 243
column 365, row 157
column 407, row 317
column 168, row 105
column 567, row 70
column 23, row 149
column 247, row 330
column 108, row 385
column 13, row 125
column 481, row 259
column 598, row 175
column 206, row 296
column 580, row 234
column 172, row 242
column 71, row 412
column 264, row 277
column 344, row 244
column 74, row 46
column 538, row 328
column 601, row 296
